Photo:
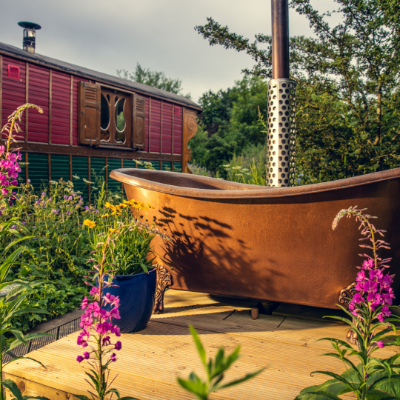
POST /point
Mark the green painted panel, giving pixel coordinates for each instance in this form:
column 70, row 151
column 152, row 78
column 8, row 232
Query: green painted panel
column 80, row 168
column 38, row 171
column 97, row 175
column 177, row 167
column 129, row 164
column 59, row 168
column 166, row 165
column 156, row 164
column 113, row 185
column 22, row 174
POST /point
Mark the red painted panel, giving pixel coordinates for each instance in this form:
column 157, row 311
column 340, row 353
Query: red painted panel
column 155, row 127
column 75, row 110
column 178, row 129
column 167, row 128
column 146, row 124
column 60, row 108
column 38, row 128
column 13, row 93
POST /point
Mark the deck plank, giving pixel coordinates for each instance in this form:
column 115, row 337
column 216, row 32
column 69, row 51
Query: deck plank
column 151, row 360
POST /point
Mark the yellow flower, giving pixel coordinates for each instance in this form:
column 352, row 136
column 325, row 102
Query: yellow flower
column 149, row 206
column 104, row 216
column 89, row 223
column 111, row 230
column 108, row 205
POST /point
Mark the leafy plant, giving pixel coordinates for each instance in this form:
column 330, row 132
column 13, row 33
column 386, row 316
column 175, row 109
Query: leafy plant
column 371, row 324
column 215, row 370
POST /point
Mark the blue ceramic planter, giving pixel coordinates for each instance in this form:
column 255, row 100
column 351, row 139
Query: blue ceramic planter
column 136, row 295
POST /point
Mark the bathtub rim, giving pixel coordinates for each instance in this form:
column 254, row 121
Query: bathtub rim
column 247, row 191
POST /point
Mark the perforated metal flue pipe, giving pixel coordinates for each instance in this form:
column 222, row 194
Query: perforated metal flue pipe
column 281, row 136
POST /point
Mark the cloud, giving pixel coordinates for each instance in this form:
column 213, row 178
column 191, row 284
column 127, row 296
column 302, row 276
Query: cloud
column 107, row 35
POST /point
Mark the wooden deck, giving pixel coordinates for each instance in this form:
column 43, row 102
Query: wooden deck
column 149, row 362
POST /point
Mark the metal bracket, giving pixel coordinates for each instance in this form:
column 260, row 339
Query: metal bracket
column 347, row 294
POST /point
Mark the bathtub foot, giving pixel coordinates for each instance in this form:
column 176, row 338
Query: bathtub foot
column 351, row 337
column 164, row 280
column 347, row 294
column 255, row 312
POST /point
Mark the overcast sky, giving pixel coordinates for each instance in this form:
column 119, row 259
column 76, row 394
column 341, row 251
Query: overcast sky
column 107, row 35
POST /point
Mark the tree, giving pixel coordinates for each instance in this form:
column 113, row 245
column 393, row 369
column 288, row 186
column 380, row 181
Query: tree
column 348, row 116
column 153, row 78
column 229, row 123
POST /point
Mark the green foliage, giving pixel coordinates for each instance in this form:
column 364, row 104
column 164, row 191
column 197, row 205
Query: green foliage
column 215, row 370
column 14, row 389
column 152, row 78
column 229, row 124
column 348, row 119
column 13, row 303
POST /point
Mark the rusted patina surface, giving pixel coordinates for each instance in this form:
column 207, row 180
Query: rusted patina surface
column 273, row 244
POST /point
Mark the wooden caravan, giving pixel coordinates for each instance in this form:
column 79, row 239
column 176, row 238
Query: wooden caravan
column 92, row 122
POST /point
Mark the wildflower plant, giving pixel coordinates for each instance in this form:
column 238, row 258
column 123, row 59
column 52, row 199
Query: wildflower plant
column 99, row 333
column 9, row 156
column 371, row 325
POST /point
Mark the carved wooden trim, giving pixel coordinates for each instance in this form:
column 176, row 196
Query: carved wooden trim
column 164, row 280
column 189, row 130
column 26, row 99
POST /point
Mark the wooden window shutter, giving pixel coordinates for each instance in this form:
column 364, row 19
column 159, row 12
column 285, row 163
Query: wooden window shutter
column 139, row 113
column 89, row 113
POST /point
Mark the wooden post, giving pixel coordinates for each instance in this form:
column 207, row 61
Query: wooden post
column 161, row 120
column 172, row 139
column 71, row 110
column 149, row 122
column 50, row 102
column 26, row 99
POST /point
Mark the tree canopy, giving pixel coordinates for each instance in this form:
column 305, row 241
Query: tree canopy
column 153, row 78
column 348, row 114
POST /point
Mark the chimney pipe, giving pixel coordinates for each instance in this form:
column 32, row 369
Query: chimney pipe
column 29, row 38
column 281, row 103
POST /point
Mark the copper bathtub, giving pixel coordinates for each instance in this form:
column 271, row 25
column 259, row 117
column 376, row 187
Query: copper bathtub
column 273, row 244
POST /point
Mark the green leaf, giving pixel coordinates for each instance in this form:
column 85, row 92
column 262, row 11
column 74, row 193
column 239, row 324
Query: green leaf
column 13, row 388
column 199, row 346
column 245, row 378
column 145, row 269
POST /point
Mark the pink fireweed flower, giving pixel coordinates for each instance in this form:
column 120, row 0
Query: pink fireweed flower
column 106, row 341
column 380, row 344
column 86, row 355
column 368, row 264
column 79, row 359
column 84, row 303
column 113, row 357
column 118, row 346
